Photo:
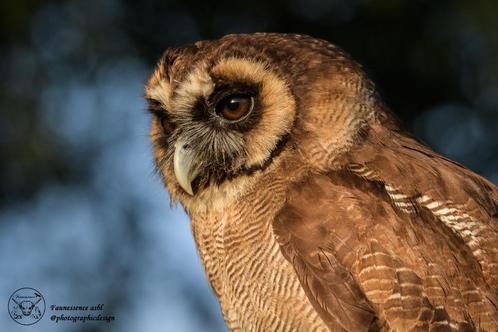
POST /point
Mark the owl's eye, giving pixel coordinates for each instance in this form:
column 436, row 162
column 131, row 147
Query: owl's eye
column 234, row 107
column 167, row 126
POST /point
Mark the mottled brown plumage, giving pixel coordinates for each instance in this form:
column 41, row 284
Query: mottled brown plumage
column 311, row 209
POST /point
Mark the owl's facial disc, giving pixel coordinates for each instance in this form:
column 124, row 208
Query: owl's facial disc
column 220, row 122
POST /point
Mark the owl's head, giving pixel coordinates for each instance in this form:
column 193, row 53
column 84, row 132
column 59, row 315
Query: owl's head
column 226, row 111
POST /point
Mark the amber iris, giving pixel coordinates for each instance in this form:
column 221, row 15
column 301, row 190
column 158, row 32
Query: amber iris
column 235, row 107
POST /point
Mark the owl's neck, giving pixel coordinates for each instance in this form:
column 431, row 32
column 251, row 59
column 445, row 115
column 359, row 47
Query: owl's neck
column 215, row 199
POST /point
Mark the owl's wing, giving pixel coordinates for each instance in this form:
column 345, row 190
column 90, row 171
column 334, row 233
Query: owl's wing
column 403, row 239
column 304, row 230
column 416, row 178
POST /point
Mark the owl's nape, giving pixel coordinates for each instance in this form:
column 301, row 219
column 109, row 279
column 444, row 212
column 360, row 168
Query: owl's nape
column 312, row 210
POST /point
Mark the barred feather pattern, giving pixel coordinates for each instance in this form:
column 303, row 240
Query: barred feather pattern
column 257, row 288
column 470, row 230
column 462, row 301
column 417, row 277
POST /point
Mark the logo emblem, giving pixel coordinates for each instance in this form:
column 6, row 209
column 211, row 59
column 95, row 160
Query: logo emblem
column 26, row 306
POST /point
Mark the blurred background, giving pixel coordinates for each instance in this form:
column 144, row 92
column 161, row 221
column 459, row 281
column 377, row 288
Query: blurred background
column 83, row 218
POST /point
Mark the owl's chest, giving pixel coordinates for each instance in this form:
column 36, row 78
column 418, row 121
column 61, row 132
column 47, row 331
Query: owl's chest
column 256, row 286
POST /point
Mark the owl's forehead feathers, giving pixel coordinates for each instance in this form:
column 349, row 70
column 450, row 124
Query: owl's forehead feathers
column 201, row 81
column 187, row 74
column 188, row 70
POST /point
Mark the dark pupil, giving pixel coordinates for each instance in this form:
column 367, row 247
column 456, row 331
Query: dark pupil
column 233, row 104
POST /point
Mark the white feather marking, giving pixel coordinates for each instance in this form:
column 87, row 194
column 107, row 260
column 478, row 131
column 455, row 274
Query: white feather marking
column 394, row 296
column 423, row 199
column 433, row 205
column 440, row 323
column 409, row 284
column 471, row 291
column 403, row 269
column 398, row 196
column 374, row 267
column 374, row 254
column 445, row 211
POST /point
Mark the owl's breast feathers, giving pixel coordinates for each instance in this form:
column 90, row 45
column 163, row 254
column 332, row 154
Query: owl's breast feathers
column 401, row 238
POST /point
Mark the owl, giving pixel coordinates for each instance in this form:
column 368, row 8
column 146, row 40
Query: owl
column 311, row 208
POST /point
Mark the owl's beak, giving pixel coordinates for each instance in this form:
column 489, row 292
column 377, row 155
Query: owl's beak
column 184, row 166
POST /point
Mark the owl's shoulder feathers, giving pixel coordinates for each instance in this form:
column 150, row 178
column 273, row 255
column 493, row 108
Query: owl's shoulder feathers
column 401, row 237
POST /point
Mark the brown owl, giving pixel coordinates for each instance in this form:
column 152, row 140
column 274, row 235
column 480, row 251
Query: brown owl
column 311, row 209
